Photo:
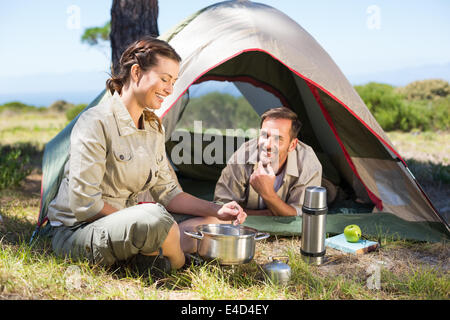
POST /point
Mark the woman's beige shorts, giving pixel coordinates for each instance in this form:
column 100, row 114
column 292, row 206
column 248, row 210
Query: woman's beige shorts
column 116, row 237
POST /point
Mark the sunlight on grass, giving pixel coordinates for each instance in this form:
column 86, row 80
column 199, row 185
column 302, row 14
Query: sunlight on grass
column 422, row 146
column 36, row 273
column 35, row 129
column 419, row 283
column 212, row 282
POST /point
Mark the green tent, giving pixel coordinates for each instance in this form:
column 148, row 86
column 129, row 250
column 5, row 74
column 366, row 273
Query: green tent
column 273, row 64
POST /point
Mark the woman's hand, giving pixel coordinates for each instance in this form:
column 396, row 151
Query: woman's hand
column 185, row 203
column 232, row 211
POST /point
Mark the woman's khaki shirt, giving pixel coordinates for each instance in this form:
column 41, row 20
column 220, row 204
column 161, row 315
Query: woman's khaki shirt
column 111, row 161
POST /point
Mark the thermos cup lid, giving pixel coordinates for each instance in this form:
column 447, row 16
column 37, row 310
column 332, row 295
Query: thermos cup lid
column 315, row 198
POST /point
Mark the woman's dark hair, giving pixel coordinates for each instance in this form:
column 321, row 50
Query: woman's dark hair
column 143, row 52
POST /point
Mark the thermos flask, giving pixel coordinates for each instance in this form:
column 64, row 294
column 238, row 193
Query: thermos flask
column 314, row 220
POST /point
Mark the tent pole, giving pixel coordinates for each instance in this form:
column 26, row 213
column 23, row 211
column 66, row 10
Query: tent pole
column 37, row 229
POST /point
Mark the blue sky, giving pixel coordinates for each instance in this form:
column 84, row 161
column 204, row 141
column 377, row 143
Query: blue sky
column 41, row 49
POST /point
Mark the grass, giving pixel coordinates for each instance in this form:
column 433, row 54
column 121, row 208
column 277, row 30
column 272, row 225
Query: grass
column 410, row 270
column 419, row 282
column 32, row 128
column 35, row 273
column 425, row 146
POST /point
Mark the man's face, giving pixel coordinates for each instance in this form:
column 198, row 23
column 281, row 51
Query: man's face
column 274, row 142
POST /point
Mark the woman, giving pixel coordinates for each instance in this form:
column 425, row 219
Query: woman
column 116, row 152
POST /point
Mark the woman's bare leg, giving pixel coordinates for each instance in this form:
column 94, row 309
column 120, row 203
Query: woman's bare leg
column 171, row 248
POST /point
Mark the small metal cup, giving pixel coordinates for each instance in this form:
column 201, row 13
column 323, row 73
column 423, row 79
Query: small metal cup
column 277, row 271
column 315, row 198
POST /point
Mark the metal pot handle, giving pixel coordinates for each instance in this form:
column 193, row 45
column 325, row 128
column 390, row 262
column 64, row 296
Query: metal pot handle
column 197, row 235
column 261, row 236
column 284, row 259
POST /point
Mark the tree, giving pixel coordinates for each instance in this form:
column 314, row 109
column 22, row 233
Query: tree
column 130, row 20
column 95, row 35
column 98, row 37
column 429, row 89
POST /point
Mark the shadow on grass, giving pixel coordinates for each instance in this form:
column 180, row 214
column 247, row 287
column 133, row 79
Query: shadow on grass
column 434, row 178
column 429, row 172
column 16, row 229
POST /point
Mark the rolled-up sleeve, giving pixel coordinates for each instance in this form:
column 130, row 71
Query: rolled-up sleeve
column 231, row 184
column 87, row 167
column 166, row 187
column 296, row 193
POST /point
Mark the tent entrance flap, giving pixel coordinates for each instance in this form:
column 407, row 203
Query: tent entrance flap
column 264, row 71
column 261, row 78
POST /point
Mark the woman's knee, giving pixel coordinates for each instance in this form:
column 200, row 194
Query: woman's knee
column 148, row 227
column 173, row 234
column 171, row 247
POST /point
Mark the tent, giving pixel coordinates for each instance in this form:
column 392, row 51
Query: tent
column 272, row 64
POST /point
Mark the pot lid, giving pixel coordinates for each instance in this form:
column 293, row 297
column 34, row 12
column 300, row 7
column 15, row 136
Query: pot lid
column 277, row 265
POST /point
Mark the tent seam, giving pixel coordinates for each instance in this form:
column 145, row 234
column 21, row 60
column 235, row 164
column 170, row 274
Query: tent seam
column 373, row 197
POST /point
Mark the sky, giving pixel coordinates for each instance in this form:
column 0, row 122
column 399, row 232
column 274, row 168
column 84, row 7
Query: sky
column 41, row 51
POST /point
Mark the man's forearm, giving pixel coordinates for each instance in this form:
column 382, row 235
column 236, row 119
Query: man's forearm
column 278, row 207
column 263, row 212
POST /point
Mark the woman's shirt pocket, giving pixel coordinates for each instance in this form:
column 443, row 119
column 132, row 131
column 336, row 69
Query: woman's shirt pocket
column 130, row 169
column 123, row 156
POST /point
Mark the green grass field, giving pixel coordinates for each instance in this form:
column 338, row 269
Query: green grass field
column 407, row 270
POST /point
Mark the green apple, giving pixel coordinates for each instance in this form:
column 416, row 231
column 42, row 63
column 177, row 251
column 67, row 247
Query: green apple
column 352, row 233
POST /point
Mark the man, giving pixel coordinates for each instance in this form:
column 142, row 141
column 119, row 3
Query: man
column 268, row 175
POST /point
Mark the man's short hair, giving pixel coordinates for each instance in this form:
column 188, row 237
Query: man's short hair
column 284, row 113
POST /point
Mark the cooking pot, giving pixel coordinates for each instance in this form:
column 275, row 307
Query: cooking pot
column 226, row 243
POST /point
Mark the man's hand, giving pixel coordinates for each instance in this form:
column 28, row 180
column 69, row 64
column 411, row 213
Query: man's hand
column 263, row 179
column 232, row 211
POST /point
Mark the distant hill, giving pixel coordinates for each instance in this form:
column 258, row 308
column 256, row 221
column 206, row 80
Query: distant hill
column 83, row 87
column 45, row 99
column 402, row 77
column 44, row 89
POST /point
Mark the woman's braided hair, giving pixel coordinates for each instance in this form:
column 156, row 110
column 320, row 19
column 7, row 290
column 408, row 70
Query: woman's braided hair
column 143, row 52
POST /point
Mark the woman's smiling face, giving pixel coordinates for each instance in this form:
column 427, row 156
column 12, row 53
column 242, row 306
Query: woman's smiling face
column 154, row 85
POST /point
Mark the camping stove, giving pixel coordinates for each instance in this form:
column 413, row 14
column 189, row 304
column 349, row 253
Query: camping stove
column 314, row 225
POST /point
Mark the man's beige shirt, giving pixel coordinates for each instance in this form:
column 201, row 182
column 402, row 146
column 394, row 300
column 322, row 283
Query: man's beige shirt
column 303, row 169
column 111, row 161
